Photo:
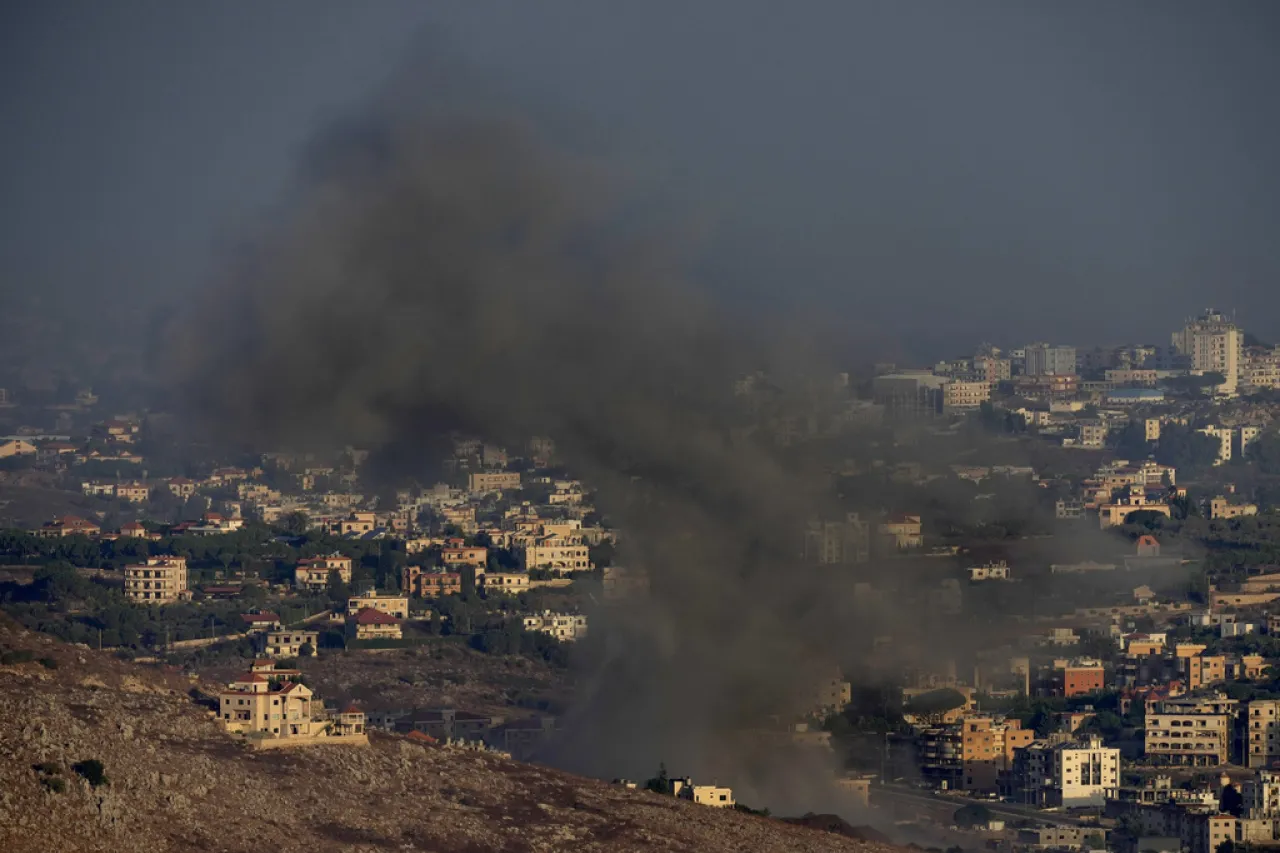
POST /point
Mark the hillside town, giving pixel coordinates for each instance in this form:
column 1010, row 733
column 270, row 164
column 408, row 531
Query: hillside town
column 1092, row 533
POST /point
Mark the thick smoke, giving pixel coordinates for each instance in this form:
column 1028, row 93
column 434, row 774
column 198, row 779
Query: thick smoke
column 443, row 265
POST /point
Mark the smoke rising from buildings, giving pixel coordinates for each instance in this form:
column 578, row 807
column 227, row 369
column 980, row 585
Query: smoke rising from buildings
column 442, row 265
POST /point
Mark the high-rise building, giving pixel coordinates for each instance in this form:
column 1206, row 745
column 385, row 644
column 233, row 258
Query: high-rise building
column 1045, row 360
column 1215, row 345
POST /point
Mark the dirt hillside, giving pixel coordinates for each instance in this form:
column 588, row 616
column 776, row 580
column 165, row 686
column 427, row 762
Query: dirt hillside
column 175, row 782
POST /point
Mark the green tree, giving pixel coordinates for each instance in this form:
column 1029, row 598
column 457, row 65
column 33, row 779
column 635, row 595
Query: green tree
column 337, row 589
column 660, row 783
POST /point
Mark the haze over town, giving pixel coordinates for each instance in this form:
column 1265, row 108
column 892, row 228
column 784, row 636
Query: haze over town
column 846, row 421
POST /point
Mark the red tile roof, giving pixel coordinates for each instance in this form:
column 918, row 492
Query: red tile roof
column 351, row 709
column 369, row 616
column 258, row 618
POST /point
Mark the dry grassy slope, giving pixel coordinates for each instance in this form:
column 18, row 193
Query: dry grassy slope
column 177, row 783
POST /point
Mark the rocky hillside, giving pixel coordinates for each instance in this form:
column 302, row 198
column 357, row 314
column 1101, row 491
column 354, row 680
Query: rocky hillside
column 98, row 754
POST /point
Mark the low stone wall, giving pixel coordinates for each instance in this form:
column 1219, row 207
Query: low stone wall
column 314, row 740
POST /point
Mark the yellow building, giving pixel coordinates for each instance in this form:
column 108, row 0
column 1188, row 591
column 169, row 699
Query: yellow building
column 370, row 624
column 511, row 582
column 312, row 573
column 493, row 481
column 160, row 580
column 557, row 554
column 392, row 605
column 958, row 395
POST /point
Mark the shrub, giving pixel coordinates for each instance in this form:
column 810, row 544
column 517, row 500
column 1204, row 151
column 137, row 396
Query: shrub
column 16, row 656
column 55, row 783
column 49, row 768
column 92, row 771
column 49, row 663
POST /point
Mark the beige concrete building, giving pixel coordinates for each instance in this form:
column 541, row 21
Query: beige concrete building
column 1220, row 507
column 312, row 573
column 557, row 554
column 455, row 558
column 1261, row 368
column 1114, row 514
column 838, row 542
column 1262, row 732
column 509, row 582
column 493, row 481
column 288, row 644
column 392, row 605
column 959, row 395
column 160, row 580
column 370, row 624
column 907, row 531
column 1191, row 730
column 703, row 795
column 1214, row 344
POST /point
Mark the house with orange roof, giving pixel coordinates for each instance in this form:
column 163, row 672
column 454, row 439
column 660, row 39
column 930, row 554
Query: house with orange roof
column 68, row 525
column 370, row 624
column 270, row 710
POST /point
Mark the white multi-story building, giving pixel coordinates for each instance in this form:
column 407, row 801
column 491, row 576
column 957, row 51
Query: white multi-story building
column 1214, row 344
column 563, row 626
column 1065, row 775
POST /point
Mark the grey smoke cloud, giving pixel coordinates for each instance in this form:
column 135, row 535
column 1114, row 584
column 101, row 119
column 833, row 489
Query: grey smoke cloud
column 442, row 263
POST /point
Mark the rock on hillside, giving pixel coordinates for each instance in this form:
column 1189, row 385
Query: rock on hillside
column 175, row 782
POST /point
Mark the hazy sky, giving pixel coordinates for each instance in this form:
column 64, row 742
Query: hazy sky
column 941, row 172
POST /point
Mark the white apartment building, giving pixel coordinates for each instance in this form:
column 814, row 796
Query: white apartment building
column 1214, row 344
column 160, row 580
column 1262, row 795
column 1065, row 775
column 1045, row 360
column 566, row 627
column 1198, row 739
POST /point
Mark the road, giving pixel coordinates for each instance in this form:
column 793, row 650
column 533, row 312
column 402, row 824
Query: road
column 939, row 803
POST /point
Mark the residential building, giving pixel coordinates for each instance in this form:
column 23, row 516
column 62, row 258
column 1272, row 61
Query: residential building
column 993, row 369
column 959, row 395
column 970, row 755
column 288, row 644
column 160, row 580
column 16, row 447
column 1133, row 377
column 133, row 492
column 1068, row 774
column 392, row 605
column 261, row 620
column 1220, row 507
column 1113, row 514
column 370, row 624
column 909, row 395
column 906, row 531
column 1068, row 508
column 1079, row 677
column 492, row 481
column 508, row 582
column 833, row 694
column 1214, row 345
column 557, row 554
column 705, row 795
column 993, row 571
column 312, row 573
column 1261, row 368
column 1223, row 435
column 1148, row 546
column 455, row 558
column 838, row 542
column 1247, row 435
column 1093, row 434
column 566, row 627
column 1191, row 730
column 1261, row 794
column 429, row 584
column 1262, row 732
column 68, row 525
column 1045, row 360
column 274, row 710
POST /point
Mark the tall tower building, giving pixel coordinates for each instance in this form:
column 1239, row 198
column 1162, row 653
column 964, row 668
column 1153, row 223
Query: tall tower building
column 1214, row 344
